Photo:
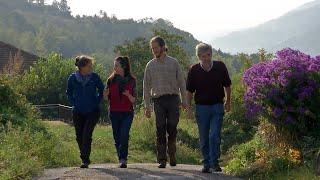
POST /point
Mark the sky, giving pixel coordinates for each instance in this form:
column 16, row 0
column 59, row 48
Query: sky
column 205, row 19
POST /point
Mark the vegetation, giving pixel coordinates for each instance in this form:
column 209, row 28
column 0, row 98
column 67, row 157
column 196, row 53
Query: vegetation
column 46, row 81
column 41, row 28
column 281, row 142
column 26, row 145
column 279, row 101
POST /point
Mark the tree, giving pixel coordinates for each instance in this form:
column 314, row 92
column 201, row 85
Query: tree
column 55, row 4
column 245, row 61
column 64, row 8
column 103, row 15
column 45, row 82
column 263, row 55
column 42, row 30
column 38, row 2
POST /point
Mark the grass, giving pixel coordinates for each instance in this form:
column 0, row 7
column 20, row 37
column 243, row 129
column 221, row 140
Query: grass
column 142, row 147
column 302, row 173
column 255, row 160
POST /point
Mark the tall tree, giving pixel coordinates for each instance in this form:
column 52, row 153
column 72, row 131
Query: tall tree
column 264, row 55
column 64, row 7
column 245, row 61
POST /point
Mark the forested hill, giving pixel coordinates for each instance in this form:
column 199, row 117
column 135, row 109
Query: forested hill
column 298, row 29
column 40, row 28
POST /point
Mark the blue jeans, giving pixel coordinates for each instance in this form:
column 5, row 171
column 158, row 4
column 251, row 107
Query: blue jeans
column 209, row 120
column 121, row 124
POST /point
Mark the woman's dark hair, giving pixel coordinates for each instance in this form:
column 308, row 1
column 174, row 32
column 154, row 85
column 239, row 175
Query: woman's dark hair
column 125, row 64
column 83, row 60
column 159, row 40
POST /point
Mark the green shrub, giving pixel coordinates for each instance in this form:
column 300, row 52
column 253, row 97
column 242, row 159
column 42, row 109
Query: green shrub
column 26, row 145
column 24, row 153
column 237, row 128
column 14, row 108
column 245, row 157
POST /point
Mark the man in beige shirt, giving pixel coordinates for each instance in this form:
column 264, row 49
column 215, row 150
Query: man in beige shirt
column 163, row 83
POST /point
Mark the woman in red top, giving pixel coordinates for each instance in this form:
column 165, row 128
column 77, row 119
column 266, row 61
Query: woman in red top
column 120, row 91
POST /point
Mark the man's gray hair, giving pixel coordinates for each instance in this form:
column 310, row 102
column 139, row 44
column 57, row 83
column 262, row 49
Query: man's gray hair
column 203, row 48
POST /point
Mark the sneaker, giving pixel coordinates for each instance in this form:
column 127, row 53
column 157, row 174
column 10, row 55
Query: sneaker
column 206, row 170
column 162, row 165
column 173, row 164
column 84, row 165
column 217, row 168
column 123, row 163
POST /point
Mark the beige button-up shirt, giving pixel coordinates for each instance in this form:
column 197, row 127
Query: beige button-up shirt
column 163, row 77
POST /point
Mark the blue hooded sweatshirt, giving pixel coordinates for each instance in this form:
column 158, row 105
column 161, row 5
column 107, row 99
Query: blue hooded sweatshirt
column 84, row 92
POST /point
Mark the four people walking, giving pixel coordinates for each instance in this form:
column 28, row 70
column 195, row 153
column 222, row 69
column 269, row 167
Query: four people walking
column 164, row 91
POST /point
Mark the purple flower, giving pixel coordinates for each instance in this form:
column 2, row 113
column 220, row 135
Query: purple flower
column 314, row 67
column 290, row 109
column 289, row 120
column 285, row 83
column 301, row 110
column 277, row 112
column 273, row 93
column 305, row 93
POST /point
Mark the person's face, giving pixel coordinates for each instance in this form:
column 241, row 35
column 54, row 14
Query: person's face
column 205, row 57
column 157, row 50
column 118, row 68
column 87, row 69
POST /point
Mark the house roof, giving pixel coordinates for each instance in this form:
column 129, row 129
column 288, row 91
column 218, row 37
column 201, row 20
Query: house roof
column 8, row 50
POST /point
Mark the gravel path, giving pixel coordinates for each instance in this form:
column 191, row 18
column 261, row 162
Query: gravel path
column 134, row 171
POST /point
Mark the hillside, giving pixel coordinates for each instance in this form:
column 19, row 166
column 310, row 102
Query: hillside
column 297, row 29
column 40, row 28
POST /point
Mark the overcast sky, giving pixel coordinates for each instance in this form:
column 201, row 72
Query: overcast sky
column 205, row 19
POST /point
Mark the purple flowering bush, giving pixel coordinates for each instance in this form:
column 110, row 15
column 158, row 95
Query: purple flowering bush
column 285, row 90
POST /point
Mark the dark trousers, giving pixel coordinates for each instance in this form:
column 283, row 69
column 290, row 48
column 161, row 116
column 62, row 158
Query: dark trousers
column 121, row 124
column 84, row 125
column 166, row 109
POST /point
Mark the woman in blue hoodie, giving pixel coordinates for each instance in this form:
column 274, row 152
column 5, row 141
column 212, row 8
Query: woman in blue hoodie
column 85, row 92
